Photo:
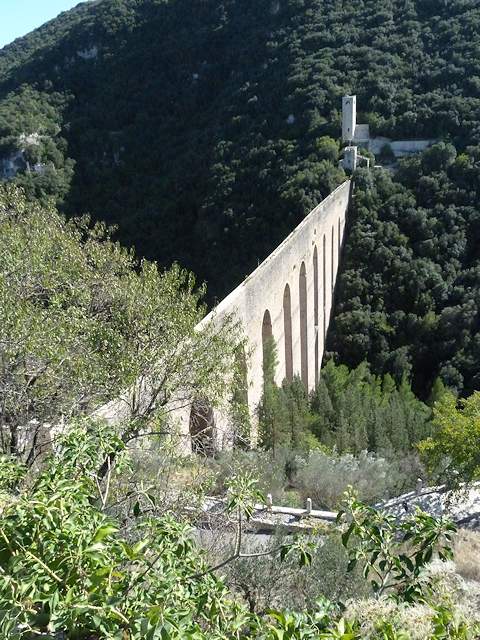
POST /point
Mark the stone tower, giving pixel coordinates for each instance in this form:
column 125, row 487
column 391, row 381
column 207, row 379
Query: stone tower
column 350, row 159
column 349, row 118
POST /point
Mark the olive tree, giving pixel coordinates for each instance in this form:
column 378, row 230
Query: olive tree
column 84, row 324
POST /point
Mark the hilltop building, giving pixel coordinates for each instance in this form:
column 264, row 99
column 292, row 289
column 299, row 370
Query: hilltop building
column 351, row 131
column 351, row 159
column 358, row 135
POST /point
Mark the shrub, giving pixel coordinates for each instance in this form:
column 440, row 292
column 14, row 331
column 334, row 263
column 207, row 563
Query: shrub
column 387, row 156
column 67, row 567
column 267, row 582
column 394, row 554
column 82, row 321
column 467, row 554
column 453, row 450
column 324, row 478
column 270, row 471
column 451, row 613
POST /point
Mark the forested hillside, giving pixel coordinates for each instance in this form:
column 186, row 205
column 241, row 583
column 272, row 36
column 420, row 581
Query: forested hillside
column 408, row 297
column 195, row 126
column 205, row 131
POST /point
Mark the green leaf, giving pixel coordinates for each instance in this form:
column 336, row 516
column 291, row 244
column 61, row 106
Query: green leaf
column 104, row 531
column 407, row 562
column 346, row 535
column 352, row 564
column 139, row 546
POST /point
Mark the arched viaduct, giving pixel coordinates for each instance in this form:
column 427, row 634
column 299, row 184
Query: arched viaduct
column 289, row 297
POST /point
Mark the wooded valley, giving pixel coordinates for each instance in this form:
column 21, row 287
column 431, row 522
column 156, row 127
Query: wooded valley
column 142, row 141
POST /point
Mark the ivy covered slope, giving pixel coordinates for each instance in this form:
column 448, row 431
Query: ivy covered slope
column 196, row 127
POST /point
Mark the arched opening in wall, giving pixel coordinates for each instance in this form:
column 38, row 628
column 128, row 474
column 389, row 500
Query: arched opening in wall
column 324, row 288
column 269, row 352
column 239, row 411
column 202, row 427
column 287, row 331
column 267, row 336
column 315, row 308
column 302, row 286
column 332, row 267
column 339, row 241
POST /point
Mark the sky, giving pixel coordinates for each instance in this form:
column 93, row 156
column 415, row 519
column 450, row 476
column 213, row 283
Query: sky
column 18, row 17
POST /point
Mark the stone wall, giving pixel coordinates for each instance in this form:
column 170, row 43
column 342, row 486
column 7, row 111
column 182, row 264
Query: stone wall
column 289, row 296
column 400, row 148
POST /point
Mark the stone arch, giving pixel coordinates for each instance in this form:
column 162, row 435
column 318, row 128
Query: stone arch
column 315, row 308
column 332, row 266
column 302, row 288
column 324, row 287
column 202, row 427
column 241, row 371
column 287, row 330
column 339, row 241
column 267, row 333
column 239, row 413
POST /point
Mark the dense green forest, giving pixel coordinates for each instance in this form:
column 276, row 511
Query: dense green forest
column 206, row 131
column 408, row 294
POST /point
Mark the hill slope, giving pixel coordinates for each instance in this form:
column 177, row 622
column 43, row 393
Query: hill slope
column 207, row 130
column 195, row 126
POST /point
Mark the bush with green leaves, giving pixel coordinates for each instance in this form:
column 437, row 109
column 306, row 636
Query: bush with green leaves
column 84, row 323
column 452, row 452
column 324, row 477
column 385, row 619
column 269, row 583
column 66, row 566
column 70, row 569
column 394, row 554
column 269, row 471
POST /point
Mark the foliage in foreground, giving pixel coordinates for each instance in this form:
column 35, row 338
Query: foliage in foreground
column 394, row 554
column 83, row 324
column 453, row 450
column 69, row 566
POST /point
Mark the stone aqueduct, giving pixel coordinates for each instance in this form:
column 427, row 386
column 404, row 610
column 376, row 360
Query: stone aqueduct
column 288, row 297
